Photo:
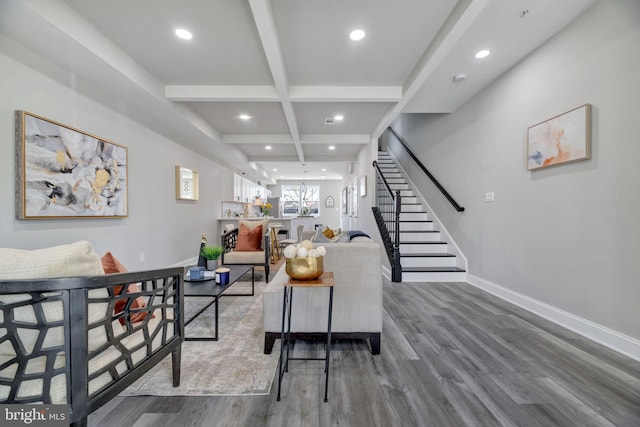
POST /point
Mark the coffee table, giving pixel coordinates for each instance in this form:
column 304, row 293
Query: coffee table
column 209, row 288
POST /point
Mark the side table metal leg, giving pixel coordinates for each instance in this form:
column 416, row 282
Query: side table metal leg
column 328, row 355
column 286, row 365
column 280, row 371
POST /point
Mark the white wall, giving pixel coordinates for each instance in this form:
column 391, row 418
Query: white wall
column 166, row 230
column 568, row 235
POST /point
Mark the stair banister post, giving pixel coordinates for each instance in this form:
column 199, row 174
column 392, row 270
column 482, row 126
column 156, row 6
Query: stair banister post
column 397, row 270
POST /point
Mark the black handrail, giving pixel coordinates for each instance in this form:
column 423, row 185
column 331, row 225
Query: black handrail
column 424, row 169
column 387, row 215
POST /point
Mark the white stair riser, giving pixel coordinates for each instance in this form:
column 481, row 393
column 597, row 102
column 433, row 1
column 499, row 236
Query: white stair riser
column 410, row 199
column 418, row 237
column 445, row 261
column 400, row 180
column 414, row 248
column 434, row 277
column 414, row 216
column 411, row 208
column 391, row 175
column 410, row 226
column 399, row 186
column 404, row 226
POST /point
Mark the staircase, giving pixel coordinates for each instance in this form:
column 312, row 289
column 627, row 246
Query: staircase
column 424, row 256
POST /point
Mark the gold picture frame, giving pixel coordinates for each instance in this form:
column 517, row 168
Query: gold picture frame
column 63, row 172
column 187, row 184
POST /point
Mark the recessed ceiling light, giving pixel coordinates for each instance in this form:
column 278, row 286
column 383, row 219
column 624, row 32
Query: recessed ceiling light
column 338, row 117
column 324, row 170
column 184, row 34
column 275, row 169
column 244, row 117
column 482, row 53
column 281, row 176
column 267, row 147
column 332, row 147
column 356, row 35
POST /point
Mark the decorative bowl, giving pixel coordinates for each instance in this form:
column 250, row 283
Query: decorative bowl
column 307, row 268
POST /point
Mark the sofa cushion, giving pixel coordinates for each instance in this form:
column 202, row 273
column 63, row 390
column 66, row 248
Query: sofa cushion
column 112, row 265
column 249, row 240
column 75, row 259
column 244, row 257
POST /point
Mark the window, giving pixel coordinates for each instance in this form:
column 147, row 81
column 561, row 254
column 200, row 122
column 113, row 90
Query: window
column 300, row 200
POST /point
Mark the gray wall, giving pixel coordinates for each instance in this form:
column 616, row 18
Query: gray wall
column 166, row 230
column 567, row 235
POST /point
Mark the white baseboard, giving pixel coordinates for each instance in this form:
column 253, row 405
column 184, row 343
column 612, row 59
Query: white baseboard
column 608, row 337
column 186, row 262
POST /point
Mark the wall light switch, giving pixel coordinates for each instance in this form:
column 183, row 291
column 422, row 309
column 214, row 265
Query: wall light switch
column 143, row 257
column 489, row 197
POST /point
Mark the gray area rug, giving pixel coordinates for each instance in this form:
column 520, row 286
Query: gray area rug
column 232, row 366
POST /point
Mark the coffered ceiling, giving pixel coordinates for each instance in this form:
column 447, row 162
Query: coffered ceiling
column 287, row 64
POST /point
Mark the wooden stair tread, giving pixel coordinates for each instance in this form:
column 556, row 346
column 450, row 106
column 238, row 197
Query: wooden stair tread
column 432, row 270
column 426, row 255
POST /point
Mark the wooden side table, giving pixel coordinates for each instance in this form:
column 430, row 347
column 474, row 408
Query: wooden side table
column 326, row 280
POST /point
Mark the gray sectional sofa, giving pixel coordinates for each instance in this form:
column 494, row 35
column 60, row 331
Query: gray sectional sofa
column 357, row 304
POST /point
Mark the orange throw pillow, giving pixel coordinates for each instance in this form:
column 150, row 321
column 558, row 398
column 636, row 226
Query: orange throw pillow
column 249, row 240
column 111, row 265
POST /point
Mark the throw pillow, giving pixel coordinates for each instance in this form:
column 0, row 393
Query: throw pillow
column 357, row 233
column 111, row 265
column 328, row 233
column 249, row 240
column 319, row 237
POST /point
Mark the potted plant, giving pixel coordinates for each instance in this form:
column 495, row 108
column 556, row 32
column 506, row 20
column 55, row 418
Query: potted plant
column 266, row 209
column 212, row 253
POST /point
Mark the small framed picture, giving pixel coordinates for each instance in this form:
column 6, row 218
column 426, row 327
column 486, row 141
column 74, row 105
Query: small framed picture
column 187, row 186
column 363, row 186
column 328, row 202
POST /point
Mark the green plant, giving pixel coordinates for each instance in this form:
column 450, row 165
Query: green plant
column 211, row 252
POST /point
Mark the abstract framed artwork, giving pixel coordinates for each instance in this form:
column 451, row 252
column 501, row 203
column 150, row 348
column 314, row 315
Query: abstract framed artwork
column 187, row 185
column 63, row 172
column 561, row 139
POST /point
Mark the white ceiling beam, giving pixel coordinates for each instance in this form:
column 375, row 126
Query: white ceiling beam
column 335, row 139
column 345, row 93
column 231, row 138
column 215, row 93
column 458, row 23
column 263, row 17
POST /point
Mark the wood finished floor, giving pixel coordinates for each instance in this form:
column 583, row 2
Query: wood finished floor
column 452, row 355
